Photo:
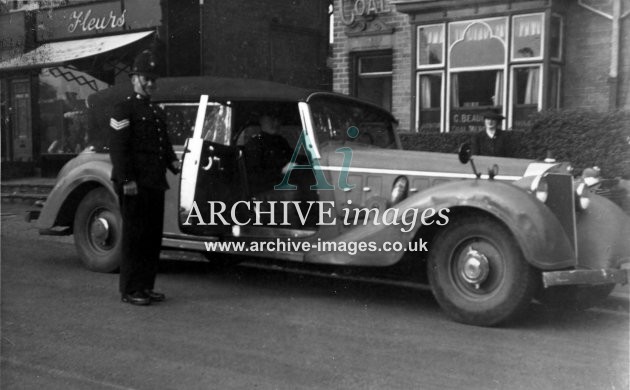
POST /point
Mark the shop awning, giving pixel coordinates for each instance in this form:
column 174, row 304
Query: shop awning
column 56, row 53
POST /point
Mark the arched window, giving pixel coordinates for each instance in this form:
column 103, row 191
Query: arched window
column 476, row 62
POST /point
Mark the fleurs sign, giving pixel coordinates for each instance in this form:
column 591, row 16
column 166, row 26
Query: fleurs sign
column 85, row 21
column 97, row 18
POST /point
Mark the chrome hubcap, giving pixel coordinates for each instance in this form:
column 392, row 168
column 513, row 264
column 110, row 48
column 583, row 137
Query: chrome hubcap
column 100, row 230
column 475, row 268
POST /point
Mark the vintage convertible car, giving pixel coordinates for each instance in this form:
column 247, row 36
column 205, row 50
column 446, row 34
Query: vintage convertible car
column 350, row 196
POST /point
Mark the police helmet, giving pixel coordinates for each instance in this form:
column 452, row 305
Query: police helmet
column 145, row 65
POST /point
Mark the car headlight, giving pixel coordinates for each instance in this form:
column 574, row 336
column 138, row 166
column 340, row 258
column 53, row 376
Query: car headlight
column 540, row 188
column 582, row 200
column 400, row 190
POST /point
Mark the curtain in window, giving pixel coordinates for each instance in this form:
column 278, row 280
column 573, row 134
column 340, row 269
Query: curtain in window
column 425, row 92
column 455, row 90
column 497, row 99
column 531, row 90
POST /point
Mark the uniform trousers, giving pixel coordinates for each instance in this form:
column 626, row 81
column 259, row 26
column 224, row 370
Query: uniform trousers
column 143, row 216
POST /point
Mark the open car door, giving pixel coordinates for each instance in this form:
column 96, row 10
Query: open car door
column 210, row 181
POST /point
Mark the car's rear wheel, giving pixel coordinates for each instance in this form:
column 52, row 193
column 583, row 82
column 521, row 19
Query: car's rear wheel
column 98, row 231
column 478, row 273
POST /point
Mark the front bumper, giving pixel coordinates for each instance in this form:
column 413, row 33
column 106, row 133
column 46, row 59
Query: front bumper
column 589, row 277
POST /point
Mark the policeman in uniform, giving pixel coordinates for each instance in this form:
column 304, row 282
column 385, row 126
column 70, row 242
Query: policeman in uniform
column 141, row 152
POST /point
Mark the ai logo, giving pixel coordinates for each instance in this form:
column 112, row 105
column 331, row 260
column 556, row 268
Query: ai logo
column 314, row 165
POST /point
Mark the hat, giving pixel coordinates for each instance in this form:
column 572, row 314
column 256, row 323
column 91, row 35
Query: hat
column 145, row 65
column 493, row 114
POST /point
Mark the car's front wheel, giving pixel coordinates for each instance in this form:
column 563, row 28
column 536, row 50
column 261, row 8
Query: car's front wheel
column 478, row 273
column 98, row 231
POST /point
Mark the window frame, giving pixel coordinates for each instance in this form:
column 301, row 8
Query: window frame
column 360, row 73
column 512, row 97
column 471, row 22
column 354, row 74
column 419, row 74
column 543, row 38
column 444, row 44
column 560, row 39
column 558, row 102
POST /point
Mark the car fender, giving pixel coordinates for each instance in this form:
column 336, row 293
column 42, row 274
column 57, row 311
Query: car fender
column 537, row 231
column 70, row 189
column 602, row 234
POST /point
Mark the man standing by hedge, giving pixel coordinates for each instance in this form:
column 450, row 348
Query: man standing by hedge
column 492, row 141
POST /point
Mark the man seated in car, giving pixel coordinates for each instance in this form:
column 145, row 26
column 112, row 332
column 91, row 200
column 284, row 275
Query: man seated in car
column 266, row 154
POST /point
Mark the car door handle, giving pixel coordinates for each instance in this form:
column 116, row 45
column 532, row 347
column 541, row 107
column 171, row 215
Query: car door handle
column 211, row 161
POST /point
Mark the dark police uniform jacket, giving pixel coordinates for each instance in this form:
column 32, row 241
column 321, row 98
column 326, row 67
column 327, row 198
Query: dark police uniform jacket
column 499, row 145
column 139, row 145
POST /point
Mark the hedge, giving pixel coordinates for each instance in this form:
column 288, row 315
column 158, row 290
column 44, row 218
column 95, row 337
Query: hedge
column 584, row 138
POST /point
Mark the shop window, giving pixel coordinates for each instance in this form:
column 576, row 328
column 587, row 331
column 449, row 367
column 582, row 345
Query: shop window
column 527, row 33
column 429, row 97
column 63, row 119
column 555, row 39
column 526, row 90
column 373, row 79
column 477, row 89
column 471, row 94
column 430, row 45
column 475, row 67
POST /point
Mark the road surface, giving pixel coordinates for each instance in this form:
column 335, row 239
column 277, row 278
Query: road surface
column 64, row 327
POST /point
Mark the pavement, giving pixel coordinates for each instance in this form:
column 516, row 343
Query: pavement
column 31, row 191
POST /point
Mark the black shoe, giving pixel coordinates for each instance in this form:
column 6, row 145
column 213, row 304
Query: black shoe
column 136, row 298
column 155, row 296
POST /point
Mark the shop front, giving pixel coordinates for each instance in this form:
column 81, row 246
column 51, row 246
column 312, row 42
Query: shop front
column 464, row 68
column 73, row 52
column 450, row 61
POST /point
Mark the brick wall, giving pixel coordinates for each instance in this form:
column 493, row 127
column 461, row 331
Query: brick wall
column 284, row 41
column 587, row 60
column 400, row 44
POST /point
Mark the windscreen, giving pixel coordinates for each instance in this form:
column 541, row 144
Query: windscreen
column 341, row 121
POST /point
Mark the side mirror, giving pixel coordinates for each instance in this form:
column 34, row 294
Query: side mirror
column 465, row 153
column 465, row 156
